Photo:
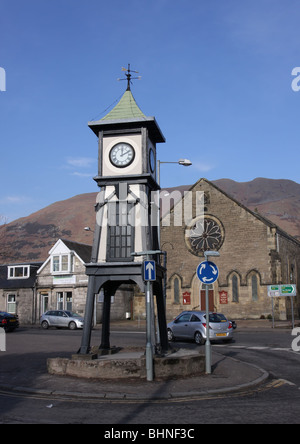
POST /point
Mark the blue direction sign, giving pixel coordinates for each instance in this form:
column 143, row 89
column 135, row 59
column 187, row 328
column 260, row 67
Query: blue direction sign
column 207, row 272
column 149, row 271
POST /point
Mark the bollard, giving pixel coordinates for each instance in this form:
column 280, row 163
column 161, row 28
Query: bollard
column 2, row 340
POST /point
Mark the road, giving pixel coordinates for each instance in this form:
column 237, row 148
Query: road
column 276, row 402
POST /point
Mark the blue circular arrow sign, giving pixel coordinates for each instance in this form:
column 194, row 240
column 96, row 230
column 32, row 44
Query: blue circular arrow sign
column 207, row 272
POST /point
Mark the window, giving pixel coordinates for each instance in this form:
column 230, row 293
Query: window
column 62, row 263
column 64, row 300
column 254, row 288
column 205, row 234
column 120, row 231
column 235, row 289
column 60, row 301
column 11, row 304
column 55, row 264
column 65, row 263
column 19, row 272
column 184, row 318
column 69, row 300
column 176, row 291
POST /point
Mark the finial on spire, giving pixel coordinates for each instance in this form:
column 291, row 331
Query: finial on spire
column 128, row 72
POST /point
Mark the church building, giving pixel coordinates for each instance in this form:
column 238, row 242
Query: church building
column 254, row 254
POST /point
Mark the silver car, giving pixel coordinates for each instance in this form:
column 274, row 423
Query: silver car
column 191, row 325
column 61, row 319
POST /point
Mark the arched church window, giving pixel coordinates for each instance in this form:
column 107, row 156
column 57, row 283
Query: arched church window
column 254, row 284
column 176, row 291
column 235, row 289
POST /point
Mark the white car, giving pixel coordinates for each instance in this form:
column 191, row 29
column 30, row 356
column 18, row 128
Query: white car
column 191, row 325
column 61, row 319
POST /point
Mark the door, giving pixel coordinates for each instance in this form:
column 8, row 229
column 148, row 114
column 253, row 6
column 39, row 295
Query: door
column 62, row 319
column 45, row 303
column 211, row 300
column 181, row 326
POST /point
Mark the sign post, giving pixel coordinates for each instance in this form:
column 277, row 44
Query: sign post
column 149, row 276
column 208, row 273
column 276, row 291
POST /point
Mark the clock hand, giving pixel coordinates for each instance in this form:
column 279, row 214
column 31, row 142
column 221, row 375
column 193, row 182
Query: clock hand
column 124, row 154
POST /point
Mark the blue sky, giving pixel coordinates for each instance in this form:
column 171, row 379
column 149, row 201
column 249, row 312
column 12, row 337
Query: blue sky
column 216, row 74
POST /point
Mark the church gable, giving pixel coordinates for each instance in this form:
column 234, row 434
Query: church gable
column 246, row 243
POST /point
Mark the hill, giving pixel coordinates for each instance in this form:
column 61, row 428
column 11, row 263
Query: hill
column 30, row 238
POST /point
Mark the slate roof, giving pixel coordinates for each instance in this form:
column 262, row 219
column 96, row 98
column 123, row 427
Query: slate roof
column 19, row 283
column 82, row 250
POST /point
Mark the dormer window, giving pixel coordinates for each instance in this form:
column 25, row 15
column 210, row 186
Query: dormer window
column 62, row 264
column 18, row 272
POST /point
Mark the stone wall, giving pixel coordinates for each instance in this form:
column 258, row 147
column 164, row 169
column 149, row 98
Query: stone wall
column 253, row 252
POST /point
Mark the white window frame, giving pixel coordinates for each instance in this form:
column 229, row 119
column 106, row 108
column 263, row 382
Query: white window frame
column 11, row 272
column 62, row 300
column 60, row 263
column 14, row 303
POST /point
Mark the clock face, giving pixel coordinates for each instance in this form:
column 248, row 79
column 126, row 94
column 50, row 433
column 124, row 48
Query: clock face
column 122, row 155
column 152, row 160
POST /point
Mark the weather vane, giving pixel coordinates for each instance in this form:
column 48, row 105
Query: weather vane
column 128, row 72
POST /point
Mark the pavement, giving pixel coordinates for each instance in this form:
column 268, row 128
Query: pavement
column 229, row 375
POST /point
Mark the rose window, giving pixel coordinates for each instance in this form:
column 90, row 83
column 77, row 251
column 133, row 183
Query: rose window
column 204, row 235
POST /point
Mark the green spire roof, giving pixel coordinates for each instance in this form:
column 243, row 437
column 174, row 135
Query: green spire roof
column 126, row 115
column 126, row 109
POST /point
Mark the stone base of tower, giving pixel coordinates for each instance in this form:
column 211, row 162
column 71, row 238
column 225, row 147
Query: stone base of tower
column 128, row 365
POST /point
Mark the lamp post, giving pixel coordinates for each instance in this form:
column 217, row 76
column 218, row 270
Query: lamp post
column 207, row 254
column 183, row 162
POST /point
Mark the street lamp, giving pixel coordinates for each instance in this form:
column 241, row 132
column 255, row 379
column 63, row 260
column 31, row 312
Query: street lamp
column 208, row 254
column 88, row 229
column 183, row 162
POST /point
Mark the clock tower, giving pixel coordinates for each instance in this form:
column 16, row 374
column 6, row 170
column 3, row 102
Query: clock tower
column 127, row 141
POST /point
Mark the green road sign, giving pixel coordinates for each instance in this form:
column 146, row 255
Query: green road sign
column 288, row 290
column 282, row 290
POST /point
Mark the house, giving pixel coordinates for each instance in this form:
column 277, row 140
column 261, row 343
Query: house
column 61, row 280
column 62, row 283
column 18, row 290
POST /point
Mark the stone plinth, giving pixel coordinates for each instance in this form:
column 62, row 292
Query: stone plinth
column 124, row 365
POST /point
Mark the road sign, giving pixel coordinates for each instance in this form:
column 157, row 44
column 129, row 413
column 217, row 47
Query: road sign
column 207, row 272
column 288, row 290
column 149, row 268
column 282, row 290
column 274, row 291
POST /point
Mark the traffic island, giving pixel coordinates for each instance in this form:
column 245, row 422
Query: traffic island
column 130, row 364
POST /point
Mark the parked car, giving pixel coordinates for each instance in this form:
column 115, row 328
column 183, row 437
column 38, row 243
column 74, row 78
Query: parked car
column 8, row 321
column 61, row 319
column 234, row 325
column 191, row 325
